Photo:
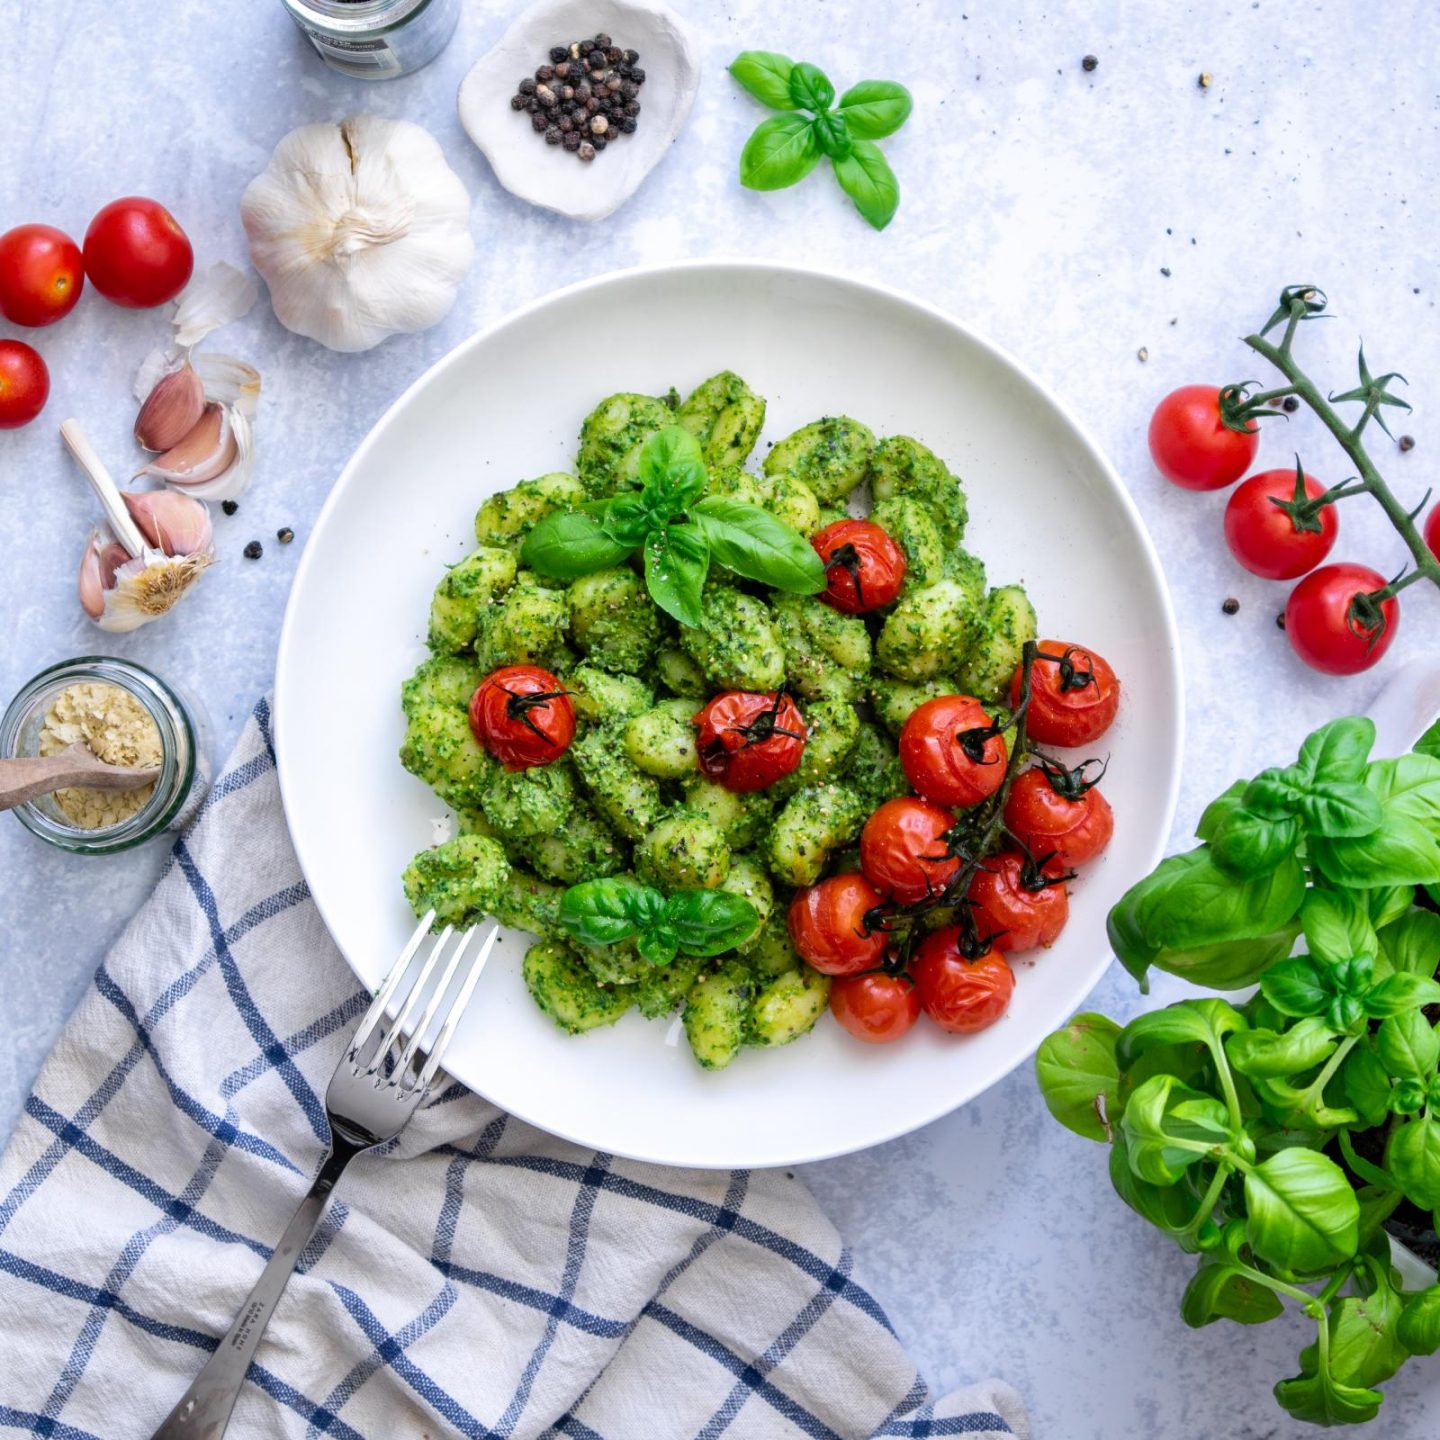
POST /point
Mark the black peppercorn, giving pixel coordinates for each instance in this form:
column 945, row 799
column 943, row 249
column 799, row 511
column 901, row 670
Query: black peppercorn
column 545, row 72
column 631, row 56
column 583, row 91
column 627, row 124
column 253, row 551
column 532, row 104
column 1406, row 442
column 599, row 141
column 546, row 96
column 572, row 141
column 591, row 105
column 629, row 89
column 596, row 59
column 637, row 75
column 553, row 135
column 576, row 51
column 562, row 70
column 1280, row 620
column 1089, row 62
column 284, row 534
column 632, row 108
column 1231, row 606
column 602, row 41
column 1291, row 404
column 527, row 86
column 586, row 150
column 567, row 92
column 614, row 54
column 229, row 506
column 557, row 54
column 517, row 102
column 541, row 123
column 566, row 124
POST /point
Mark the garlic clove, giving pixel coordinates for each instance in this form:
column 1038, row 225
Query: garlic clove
column 236, row 480
column 147, row 587
column 214, row 297
column 208, row 450
column 172, row 409
column 91, row 582
column 173, row 523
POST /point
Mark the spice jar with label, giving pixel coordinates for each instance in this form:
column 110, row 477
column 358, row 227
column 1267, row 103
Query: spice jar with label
column 125, row 715
column 376, row 39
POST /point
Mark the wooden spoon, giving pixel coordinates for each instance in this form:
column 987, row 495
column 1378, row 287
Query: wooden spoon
column 22, row 780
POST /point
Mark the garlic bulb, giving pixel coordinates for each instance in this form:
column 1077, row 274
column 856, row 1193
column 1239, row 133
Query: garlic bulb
column 360, row 229
column 154, row 547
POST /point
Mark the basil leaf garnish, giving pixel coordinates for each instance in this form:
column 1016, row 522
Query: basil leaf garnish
column 565, row 545
column 753, row 543
column 676, row 559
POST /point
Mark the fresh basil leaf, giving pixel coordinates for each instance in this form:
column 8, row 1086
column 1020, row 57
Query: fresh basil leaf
column 1337, row 926
column 1400, row 992
column 1171, row 1209
column 709, row 922
column 1221, row 1291
column 1341, row 810
column 782, row 151
column 627, row 520
column 1418, row 1328
column 605, row 912
column 672, row 471
column 1408, row 785
column 1246, row 843
column 766, row 76
column 1219, row 809
column 1303, row 1215
column 1364, row 1348
column 1273, row 794
column 1228, row 964
column 832, row 135
column 1269, row 1053
column 1388, row 903
column 1205, row 1021
column 1365, row 1083
column 874, row 109
column 1322, row 1400
column 659, row 944
column 568, row 544
column 1411, row 944
column 1161, row 1112
column 1077, row 1071
column 866, row 177
column 676, row 559
column 810, row 87
column 1429, row 742
column 753, row 543
column 1402, row 852
column 1337, row 751
column 1407, row 1046
column 1412, row 1156
column 1297, row 987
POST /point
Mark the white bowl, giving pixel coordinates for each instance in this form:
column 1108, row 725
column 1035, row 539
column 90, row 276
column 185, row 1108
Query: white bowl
column 549, row 175
column 1046, row 509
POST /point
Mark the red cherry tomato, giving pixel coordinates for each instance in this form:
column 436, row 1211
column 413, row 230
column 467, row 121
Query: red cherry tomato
column 828, row 929
column 865, row 568
column 1324, row 628
column 522, row 715
column 875, row 1008
column 1073, row 695
column 1432, row 531
column 136, row 254
column 959, row 994
column 1058, row 812
column 41, row 274
column 24, row 384
column 748, row 740
column 1018, row 904
column 951, row 751
column 1193, row 447
column 1265, row 539
column 902, row 849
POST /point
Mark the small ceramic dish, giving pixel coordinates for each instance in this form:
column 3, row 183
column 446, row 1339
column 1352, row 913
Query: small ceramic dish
column 548, row 175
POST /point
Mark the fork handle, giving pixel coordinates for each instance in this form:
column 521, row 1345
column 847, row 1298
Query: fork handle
column 204, row 1409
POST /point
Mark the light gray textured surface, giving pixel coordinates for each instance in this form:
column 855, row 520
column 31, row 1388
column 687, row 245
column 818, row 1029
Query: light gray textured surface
column 1041, row 205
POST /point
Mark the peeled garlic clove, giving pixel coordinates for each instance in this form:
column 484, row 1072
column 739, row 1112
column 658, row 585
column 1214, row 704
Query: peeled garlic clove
column 171, row 410
column 173, row 523
column 208, row 450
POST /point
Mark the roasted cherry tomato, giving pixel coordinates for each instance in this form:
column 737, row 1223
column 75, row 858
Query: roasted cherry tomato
column 523, row 716
column 136, row 254
column 828, row 925
column 1058, row 812
column 903, row 851
column 1073, row 695
column 41, row 274
column 960, row 994
column 1267, row 539
column 1331, row 624
column 875, row 1007
column 24, row 384
column 1432, row 531
column 1193, row 447
column 748, row 740
column 864, row 567
column 952, row 752
column 1017, row 903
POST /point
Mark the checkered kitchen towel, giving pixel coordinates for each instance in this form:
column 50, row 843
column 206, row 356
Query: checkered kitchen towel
column 489, row 1281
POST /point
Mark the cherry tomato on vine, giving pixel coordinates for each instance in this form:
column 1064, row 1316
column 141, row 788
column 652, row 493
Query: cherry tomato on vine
column 1193, row 447
column 1018, row 904
column 903, row 851
column 24, row 384
column 748, row 739
column 523, row 716
column 875, row 1007
column 960, row 994
column 136, row 254
column 1432, row 531
column 952, row 752
column 1054, row 811
column 1271, row 541
column 1073, row 695
column 1330, row 624
column 864, row 566
column 828, row 927
column 41, row 275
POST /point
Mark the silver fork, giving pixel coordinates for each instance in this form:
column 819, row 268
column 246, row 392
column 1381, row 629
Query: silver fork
column 384, row 1074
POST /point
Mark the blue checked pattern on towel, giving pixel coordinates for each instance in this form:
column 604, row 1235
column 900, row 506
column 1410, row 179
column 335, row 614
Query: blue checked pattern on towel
column 486, row 1280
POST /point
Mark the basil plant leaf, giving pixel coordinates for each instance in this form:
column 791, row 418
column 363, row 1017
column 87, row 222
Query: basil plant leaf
column 1407, row 1046
column 1078, row 1074
column 1429, row 742
column 627, row 520
column 1246, row 843
column 1303, row 1214
column 1163, row 1112
column 709, row 922
column 659, row 944
column 1273, row 794
column 605, row 912
column 1341, row 810
column 810, row 87
column 1398, row 993
column 1171, row 1209
column 766, row 76
column 1337, row 751
column 676, row 559
column 1418, row 1328
column 1322, row 1400
column 1337, row 925
column 1402, row 852
column 866, row 177
column 874, row 109
column 1297, row 987
column 1202, row 1022
column 1272, row 1053
column 566, row 545
column 1222, row 806
column 1364, row 1348
column 782, row 151
column 1365, row 1083
column 832, row 135
column 1412, row 1156
column 1221, row 1291
column 672, row 471
column 754, row 543
column 1411, row 944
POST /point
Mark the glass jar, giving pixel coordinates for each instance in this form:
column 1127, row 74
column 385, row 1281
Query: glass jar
column 376, row 39
column 185, row 769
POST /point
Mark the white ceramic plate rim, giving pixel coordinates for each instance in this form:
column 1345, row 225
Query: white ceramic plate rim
column 917, row 1112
